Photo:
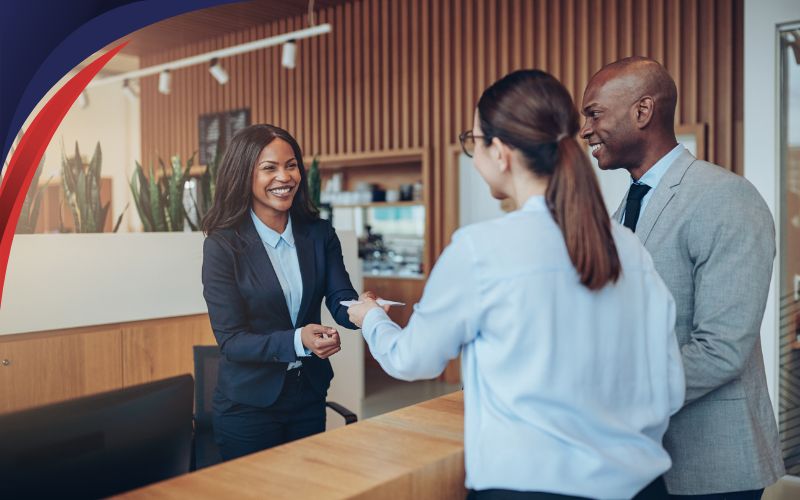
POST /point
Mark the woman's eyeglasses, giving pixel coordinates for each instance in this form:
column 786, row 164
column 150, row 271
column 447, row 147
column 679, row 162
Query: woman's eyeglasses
column 467, row 140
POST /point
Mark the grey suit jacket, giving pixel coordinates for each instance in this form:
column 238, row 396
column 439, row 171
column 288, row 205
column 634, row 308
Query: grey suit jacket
column 712, row 240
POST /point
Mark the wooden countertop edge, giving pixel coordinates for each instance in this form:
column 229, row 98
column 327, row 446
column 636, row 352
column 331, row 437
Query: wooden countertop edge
column 410, row 440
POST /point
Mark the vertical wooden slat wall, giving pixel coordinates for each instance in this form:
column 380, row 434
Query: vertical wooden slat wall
column 407, row 73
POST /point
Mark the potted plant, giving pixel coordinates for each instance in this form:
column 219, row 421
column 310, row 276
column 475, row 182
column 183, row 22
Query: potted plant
column 81, row 186
column 159, row 201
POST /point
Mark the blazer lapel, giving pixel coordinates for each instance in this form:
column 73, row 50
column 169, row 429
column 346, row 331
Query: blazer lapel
column 305, row 257
column 261, row 265
column 621, row 208
column 664, row 192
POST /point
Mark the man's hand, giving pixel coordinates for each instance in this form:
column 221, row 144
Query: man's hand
column 323, row 341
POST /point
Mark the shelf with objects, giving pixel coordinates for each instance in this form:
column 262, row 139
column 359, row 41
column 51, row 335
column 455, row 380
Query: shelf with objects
column 384, row 198
column 381, row 197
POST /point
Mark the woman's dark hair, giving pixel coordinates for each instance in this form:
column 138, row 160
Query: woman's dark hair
column 532, row 112
column 234, row 192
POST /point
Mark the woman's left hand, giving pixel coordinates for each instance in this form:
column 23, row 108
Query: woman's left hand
column 358, row 311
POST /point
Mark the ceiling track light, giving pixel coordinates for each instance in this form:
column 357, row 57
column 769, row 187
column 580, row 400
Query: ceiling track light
column 221, row 53
column 129, row 91
column 289, row 54
column 164, row 81
column 218, row 72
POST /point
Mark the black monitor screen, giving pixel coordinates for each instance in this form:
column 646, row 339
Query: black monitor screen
column 98, row 445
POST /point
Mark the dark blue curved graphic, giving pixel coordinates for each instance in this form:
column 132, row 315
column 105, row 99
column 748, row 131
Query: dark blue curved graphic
column 41, row 40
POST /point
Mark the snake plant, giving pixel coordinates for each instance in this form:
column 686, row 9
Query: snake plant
column 81, row 186
column 314, row 182
column 159, row 201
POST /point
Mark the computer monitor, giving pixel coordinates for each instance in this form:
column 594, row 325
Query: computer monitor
column 98, row 445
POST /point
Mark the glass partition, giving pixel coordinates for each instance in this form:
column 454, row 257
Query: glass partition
column 789, row 241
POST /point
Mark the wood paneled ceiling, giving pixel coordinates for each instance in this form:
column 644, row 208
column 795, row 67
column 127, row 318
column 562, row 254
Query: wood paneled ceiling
column 215, row 21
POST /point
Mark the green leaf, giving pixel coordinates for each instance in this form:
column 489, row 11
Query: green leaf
column 156, row 204
column 81, row 186
column 119, row 219
column 32, row 217
column 132, row 184
column 97, row 162
column 141, row 197
column 100, row 221
column 67, row 177
column 314, row 182
column 79, row 200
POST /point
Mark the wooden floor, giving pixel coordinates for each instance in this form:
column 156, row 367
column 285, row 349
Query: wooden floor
column 416, row 452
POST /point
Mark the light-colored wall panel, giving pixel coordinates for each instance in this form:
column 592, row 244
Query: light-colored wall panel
column 58, row 281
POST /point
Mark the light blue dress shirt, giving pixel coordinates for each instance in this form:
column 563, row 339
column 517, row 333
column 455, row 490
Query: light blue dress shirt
column 566, row 390
column 283, row 256
column 653, row 176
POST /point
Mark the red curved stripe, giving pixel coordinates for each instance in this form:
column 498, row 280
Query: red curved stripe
column 32, row 146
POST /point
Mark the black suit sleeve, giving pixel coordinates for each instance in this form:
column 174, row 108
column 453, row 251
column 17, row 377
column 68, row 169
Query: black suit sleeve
column 337, row 281
column 228, row 313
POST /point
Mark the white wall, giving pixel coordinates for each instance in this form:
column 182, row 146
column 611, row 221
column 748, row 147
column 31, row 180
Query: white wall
column 761, row 139
column 475, row 201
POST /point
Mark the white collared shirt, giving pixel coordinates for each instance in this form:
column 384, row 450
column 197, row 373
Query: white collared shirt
column 282, row 254
column 565, row 390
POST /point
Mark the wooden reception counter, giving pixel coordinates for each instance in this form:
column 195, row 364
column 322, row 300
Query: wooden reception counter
column 416, row 452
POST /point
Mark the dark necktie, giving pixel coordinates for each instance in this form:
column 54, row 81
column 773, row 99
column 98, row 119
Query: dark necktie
column 634, row 205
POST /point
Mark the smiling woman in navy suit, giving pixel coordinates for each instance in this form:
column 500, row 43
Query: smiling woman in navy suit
column 268, row 260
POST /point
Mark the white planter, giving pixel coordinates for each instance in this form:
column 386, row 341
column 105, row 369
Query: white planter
column 57, row 281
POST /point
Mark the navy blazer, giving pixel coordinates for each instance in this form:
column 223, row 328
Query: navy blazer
column 248, row 310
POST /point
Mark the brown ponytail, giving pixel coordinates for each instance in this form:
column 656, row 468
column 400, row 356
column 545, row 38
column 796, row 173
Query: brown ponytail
column 531, row 111
column 576, row 204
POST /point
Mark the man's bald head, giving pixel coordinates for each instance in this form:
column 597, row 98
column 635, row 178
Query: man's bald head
column 629, row 107
column 638, row 77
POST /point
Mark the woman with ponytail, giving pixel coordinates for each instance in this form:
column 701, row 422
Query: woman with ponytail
column 570, row 365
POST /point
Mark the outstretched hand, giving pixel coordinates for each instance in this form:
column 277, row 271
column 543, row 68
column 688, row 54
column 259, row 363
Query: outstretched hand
column 357, row 312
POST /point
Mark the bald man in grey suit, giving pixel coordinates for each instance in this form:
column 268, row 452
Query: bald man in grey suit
column 712, row 240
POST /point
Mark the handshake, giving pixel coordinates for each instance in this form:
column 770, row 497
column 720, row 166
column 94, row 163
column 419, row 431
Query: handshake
column 324, row 341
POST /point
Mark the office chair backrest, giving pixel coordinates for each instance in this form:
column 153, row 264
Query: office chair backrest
column 206, row 368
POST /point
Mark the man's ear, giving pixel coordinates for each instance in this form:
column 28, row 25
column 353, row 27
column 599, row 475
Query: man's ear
column 501, row 153
column 643, row 111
